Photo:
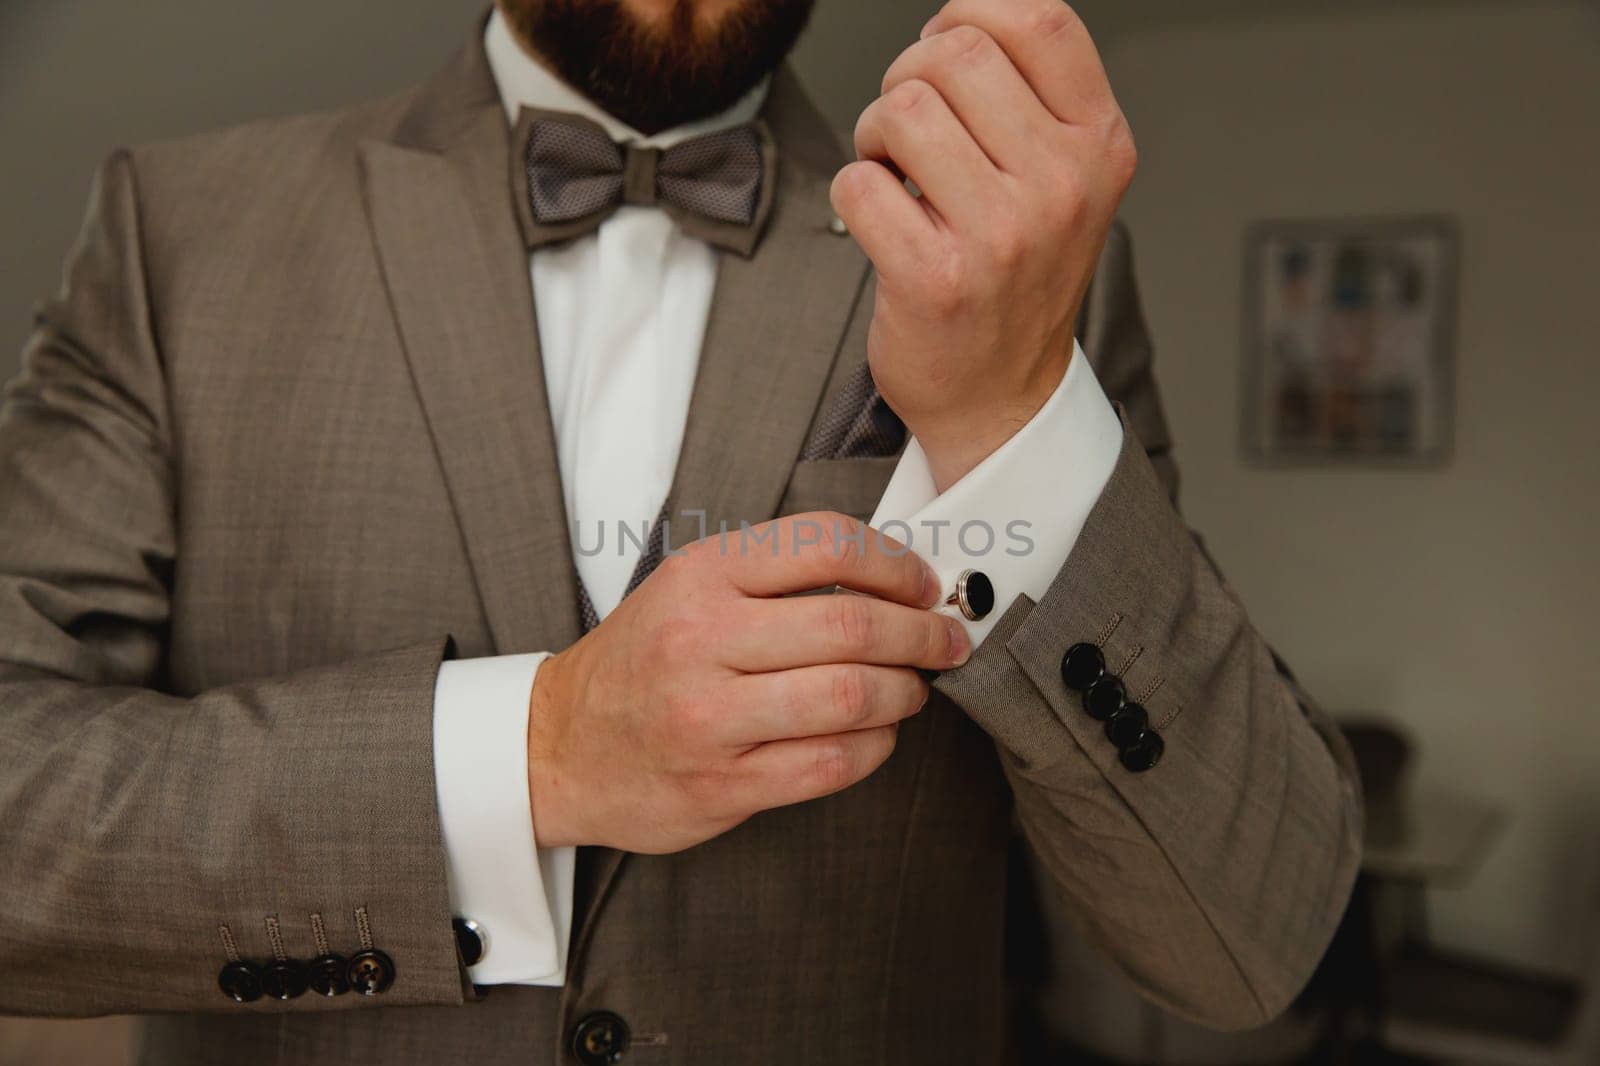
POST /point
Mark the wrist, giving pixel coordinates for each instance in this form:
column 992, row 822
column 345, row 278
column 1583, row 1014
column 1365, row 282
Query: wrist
column 956, row 442
column 547, row 712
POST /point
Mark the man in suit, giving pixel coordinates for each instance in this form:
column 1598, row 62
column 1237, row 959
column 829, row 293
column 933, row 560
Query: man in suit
column 354, row 707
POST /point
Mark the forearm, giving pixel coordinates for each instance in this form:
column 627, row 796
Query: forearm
column 136, row 825
column 1215, row 878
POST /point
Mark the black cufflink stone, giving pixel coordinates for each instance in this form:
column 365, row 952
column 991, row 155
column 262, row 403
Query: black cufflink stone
column 974, row 595
column 284, row 979
column 240, row 982
column 1104, row 698
column 1082, row 666
column 471, row 941
column 1126, row 726
column 326, row 975
column 1144, row 752
column 370, row 973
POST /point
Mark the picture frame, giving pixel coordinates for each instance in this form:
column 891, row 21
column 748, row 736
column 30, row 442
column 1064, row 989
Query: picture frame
column 1349, row 341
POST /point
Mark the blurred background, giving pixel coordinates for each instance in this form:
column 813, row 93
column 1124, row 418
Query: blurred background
column 1447, row 609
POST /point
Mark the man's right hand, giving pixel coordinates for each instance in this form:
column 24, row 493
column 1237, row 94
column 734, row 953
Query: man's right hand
column 711, row 693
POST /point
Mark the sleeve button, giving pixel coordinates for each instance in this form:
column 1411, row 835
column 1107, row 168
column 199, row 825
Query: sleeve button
column 326, row 975
column 370, row 973
column 1126, row 726
column 1143, row 753
column 1104, row 698
column 284, row 979
column 1082, row 666
column 240, row 982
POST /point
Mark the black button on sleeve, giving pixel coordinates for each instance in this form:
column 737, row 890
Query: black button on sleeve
column 1144, row 752
column 240, row 982
column 1104, row 698
column 1082, row 666
column 1127, row 725
column 370, row 973
column 326, row 975
column 599, row 1039
column 284, row 979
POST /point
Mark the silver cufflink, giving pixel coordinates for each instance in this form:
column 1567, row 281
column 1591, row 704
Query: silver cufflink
column 974, row 595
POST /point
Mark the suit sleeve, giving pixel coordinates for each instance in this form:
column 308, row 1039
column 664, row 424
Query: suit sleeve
column 145, row 837
column 1215, row 878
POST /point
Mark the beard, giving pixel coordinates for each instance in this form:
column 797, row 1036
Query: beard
column 654, row 75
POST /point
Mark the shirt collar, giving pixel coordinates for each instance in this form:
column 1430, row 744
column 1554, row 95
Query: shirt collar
column 525, row 82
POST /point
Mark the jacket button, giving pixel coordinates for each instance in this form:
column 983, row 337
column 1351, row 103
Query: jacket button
column 370, row 972
column 1126, row 726
column 1144, row 752
column 1082, row 666
column 1104, row 698
column 600, row 1038
column 240, row 982
column 326, row 975
column 284, row 979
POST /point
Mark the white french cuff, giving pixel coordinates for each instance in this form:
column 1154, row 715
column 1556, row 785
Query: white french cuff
column 1015, row 516
column 519, row 894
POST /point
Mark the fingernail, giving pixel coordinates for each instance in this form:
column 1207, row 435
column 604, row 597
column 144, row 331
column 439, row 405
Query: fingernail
column 931, row 587
column 927, row 29
column 960, row 643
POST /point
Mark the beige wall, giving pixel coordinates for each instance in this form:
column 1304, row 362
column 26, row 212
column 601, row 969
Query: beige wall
column 1462, row 601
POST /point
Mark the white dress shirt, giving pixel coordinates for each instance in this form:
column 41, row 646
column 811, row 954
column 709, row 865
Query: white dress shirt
column 622, row 313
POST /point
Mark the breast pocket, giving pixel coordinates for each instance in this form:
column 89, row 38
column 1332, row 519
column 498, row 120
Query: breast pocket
column 848, row 486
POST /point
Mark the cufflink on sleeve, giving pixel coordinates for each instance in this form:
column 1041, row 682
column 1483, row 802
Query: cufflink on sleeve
column 973, row 596
column 472, row 941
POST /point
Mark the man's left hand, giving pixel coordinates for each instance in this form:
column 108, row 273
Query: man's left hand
column 1004, row 119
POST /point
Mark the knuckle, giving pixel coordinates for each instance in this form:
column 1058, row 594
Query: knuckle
column 834, row 767
column 1123, row 152
column 910, row 95
column 705, row 788
column 852, row 695
column 674, row 640
column 1054, row 21
column 945, row 282
column 1008, row 237
column 968, row 43
column 852, row 621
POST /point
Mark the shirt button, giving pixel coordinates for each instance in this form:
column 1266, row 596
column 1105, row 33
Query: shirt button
column 240, row 982
column 600, row 1038
column 370, row 972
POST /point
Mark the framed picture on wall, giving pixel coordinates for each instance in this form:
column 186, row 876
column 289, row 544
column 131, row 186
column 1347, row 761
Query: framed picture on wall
column 1349, row 340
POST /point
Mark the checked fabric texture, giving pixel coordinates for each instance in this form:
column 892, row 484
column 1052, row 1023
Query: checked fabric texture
column 713, row 185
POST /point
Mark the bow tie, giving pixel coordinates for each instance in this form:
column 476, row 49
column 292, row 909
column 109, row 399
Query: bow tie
column 571, row 176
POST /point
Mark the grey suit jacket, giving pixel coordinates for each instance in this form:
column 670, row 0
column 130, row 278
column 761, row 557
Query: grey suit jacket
column 281, row 444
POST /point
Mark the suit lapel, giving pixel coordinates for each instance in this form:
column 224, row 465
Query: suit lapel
column 777, row 321
column 442, row 216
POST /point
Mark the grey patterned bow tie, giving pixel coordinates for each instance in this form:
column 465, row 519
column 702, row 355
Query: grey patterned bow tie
column 573, row 176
